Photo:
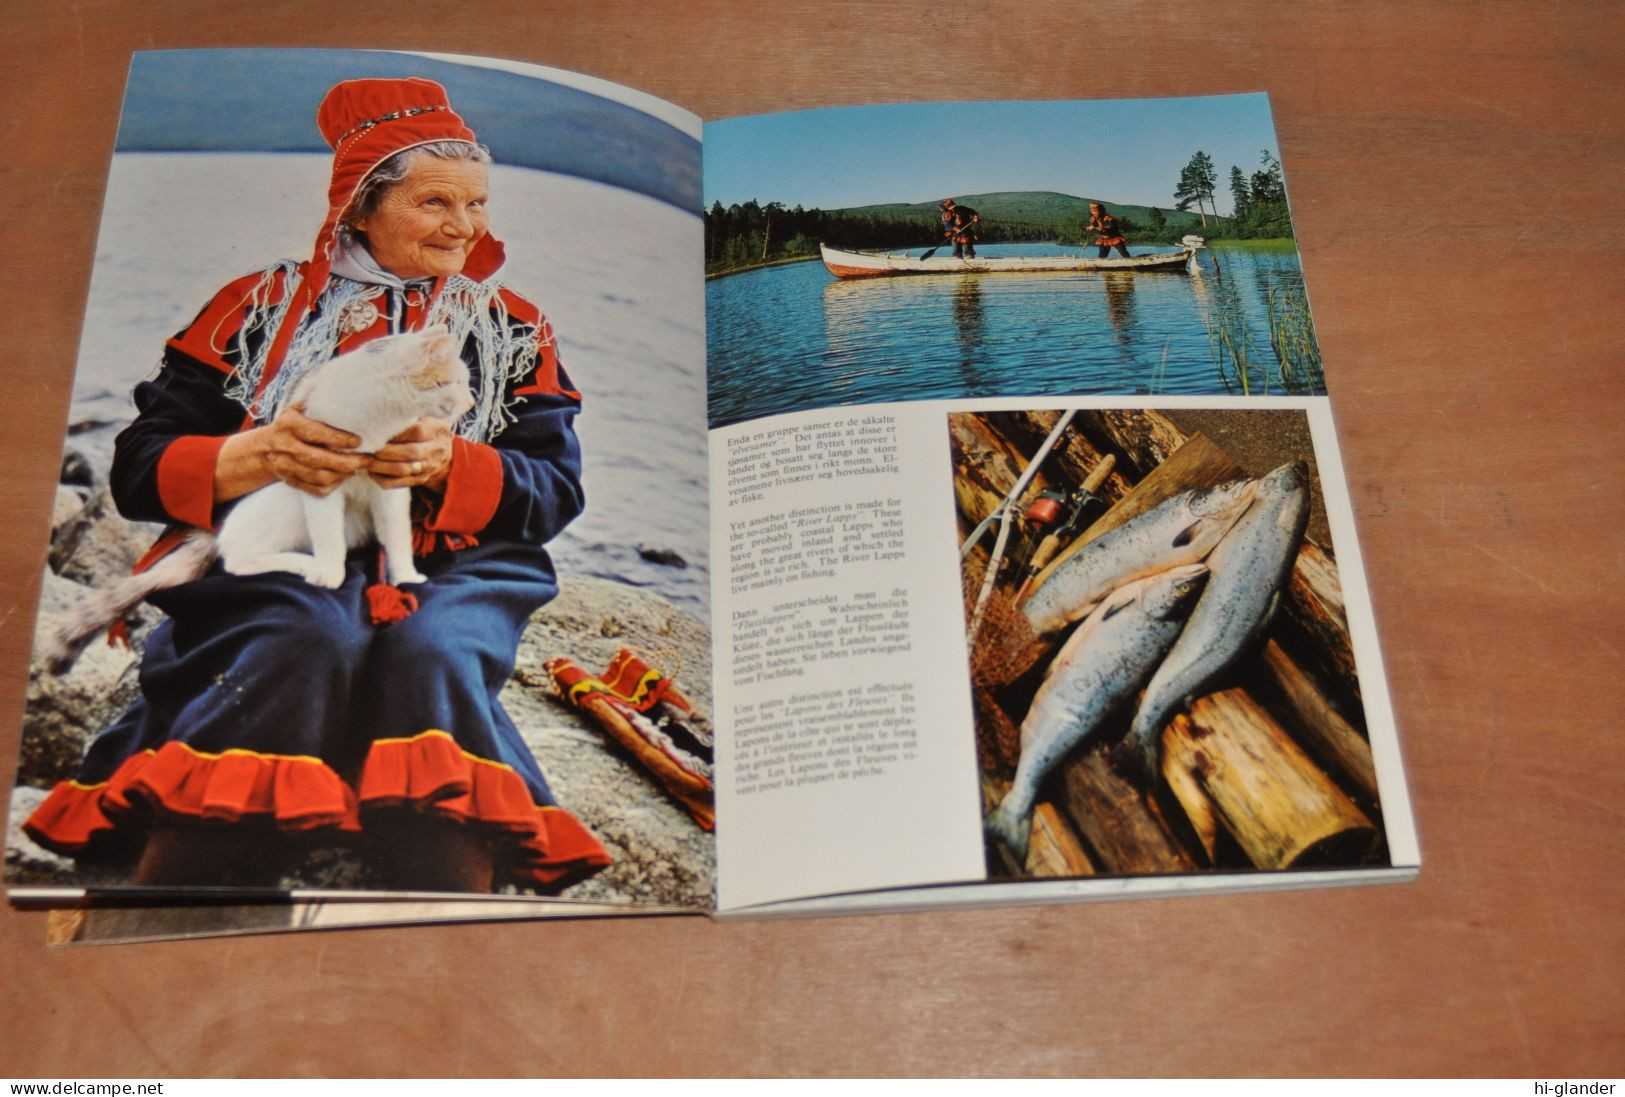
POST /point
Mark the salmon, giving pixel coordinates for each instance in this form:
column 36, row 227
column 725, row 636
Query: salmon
column 1099, row 667
column 1249, row 570
column 1178, row 531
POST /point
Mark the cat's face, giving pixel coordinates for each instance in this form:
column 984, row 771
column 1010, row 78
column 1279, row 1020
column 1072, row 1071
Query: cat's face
column 427, row 364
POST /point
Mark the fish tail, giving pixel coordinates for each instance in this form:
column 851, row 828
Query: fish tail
column 1136, row 756
column 102, row 608
column 1012, row 831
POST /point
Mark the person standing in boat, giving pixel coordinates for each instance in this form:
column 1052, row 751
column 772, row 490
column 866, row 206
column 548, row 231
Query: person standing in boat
column 960, row 225
column 1107, row 234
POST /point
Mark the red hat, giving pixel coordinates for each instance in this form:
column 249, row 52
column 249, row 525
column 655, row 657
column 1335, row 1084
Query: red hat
column 365, row 122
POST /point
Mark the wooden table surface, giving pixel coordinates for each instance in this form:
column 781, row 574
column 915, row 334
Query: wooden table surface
column 1456, row 172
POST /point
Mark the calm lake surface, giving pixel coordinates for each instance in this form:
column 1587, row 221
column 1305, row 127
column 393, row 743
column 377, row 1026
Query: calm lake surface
column 794, row 337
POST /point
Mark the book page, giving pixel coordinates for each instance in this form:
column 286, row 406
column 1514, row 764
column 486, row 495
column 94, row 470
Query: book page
column 221, row 172
column 1024, row 479
column 844, row 764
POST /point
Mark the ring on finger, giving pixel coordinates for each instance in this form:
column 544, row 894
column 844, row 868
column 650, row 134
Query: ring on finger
column 417, row 467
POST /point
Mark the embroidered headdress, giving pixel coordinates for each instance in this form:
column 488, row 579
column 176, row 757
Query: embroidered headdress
column 365, row 122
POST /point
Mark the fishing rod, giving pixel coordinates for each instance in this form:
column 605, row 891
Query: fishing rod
column 1002, row 514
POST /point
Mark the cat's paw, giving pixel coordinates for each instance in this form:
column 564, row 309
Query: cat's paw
column 406, row 575
column 323, row 574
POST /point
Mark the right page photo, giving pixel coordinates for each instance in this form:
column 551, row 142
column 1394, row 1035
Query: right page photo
column 853, row 253
column 1161, row 656
column 1106, row 446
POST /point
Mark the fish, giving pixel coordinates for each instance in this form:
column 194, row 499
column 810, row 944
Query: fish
column 1102, row 663
column 1181, row 530
column 1249, row 570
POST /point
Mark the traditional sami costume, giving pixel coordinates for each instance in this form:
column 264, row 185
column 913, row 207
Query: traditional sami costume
column 268, row 699
column 1108, row 235
column 964, row 232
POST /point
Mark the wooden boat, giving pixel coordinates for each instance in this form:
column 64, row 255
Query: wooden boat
column 877, row 264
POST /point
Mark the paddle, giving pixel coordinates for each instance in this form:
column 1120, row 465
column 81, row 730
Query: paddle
column 928, row 254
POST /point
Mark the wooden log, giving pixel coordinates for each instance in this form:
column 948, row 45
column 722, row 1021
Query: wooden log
column 1052, row 848
column 1321, row 726
column 1248, row 774
column 1204, row 821
column 1143, row 437
column 1314, row 605
column 1126, row 832
column 986, row 465
column 1075, row 458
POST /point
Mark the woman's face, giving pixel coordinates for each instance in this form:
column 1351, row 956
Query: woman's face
column 426, row 225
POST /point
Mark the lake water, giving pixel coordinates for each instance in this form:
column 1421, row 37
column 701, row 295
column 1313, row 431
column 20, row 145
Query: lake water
column 617, row 273
column 794, row 337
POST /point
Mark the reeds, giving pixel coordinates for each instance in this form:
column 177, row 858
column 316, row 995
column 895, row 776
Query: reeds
column 1231, row 349
column 1292, row 338
column 1238, row 360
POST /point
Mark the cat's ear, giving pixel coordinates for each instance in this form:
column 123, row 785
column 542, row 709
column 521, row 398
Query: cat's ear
column 440, row 369
column 441, row 344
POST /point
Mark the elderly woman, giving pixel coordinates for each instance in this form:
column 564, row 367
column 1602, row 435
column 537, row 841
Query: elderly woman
column 273, row 709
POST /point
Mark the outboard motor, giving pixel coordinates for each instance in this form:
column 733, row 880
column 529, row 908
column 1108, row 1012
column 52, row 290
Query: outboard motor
column 1192, row 245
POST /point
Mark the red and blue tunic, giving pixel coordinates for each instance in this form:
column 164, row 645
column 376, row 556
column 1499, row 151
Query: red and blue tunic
column 267, row 699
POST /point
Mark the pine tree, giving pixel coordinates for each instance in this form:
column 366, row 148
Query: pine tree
column 1196, row 182
column 1240, row 195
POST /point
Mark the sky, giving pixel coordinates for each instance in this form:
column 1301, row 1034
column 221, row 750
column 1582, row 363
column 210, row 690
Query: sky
column 529, row 116
column 1126, row 150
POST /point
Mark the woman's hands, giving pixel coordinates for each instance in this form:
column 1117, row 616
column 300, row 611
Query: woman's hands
column 418, row 455
column 299, row 451
column 313, row 457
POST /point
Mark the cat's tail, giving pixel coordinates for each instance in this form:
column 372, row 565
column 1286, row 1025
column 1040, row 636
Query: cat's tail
column 103, row 607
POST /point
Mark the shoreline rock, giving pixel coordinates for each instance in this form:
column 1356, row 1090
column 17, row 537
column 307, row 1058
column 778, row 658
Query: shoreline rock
column 661, row 856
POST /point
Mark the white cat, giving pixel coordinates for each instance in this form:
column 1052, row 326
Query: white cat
column 375, row 393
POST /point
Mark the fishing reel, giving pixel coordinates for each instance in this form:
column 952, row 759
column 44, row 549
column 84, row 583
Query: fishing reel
column 1046, row 510
column 1056, row 513
column 1055, row 517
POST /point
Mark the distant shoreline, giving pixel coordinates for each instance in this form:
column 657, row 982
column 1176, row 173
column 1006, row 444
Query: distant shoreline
column 758, row 266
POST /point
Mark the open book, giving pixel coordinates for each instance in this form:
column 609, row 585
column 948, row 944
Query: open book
column 964, row 521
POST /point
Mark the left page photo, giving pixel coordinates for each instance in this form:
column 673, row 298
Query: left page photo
column 379, row 558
